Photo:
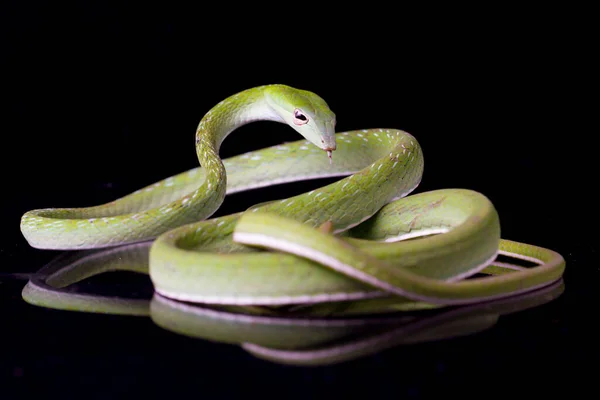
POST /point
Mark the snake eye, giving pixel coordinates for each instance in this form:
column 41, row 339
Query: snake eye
column 299, row 117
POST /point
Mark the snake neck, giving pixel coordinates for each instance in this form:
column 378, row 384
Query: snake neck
column 225, row 117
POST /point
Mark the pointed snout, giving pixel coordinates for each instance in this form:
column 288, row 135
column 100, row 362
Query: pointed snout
column 328, row 138
column 328, row 143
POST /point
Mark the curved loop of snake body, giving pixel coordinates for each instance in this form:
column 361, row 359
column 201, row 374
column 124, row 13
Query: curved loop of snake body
column 360, row 237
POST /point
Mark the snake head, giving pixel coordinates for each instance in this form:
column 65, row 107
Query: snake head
column 306, row 112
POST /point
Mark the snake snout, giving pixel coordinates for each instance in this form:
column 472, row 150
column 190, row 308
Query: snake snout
column 328, row 143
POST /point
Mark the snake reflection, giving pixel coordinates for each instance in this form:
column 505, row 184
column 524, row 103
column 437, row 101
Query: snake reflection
column 301, row 335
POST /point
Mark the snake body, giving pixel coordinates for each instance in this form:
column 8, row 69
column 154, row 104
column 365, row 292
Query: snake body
column 349, row 240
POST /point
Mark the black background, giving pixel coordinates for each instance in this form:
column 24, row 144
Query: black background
column 100, row 100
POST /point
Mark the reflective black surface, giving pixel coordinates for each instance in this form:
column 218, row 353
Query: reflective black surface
column 103, row 100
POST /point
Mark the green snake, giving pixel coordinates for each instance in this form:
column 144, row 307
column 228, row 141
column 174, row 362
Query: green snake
column 361, row 237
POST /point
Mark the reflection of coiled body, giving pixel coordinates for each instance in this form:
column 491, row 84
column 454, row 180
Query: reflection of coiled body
column 314, row 334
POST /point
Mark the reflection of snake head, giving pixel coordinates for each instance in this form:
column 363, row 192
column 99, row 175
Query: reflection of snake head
column 306, row 112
